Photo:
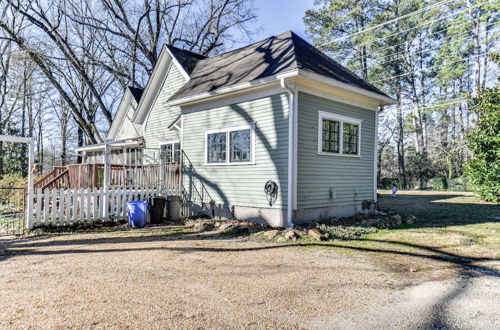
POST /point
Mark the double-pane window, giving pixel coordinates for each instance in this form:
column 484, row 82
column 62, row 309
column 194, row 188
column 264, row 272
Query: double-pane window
column 231, row 145
column 338, row 135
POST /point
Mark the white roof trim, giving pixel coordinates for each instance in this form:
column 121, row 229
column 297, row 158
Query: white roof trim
column 148, row 100
column 357, row 90
column 120, row 115
column 258, row 82
column 113, row 145
column 233, row 88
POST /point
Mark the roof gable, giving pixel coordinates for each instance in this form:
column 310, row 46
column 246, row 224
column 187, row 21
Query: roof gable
column 185, row 58
column 136, row 93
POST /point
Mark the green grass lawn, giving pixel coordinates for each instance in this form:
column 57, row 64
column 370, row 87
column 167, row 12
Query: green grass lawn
column 453, row 229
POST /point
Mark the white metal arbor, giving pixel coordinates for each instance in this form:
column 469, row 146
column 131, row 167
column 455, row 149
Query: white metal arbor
column 31, row 155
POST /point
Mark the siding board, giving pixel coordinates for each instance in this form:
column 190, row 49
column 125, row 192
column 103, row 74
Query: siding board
column 161, row 115
column 317, row 174
column 243, row 185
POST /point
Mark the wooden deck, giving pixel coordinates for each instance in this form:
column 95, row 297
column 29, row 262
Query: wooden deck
column 92, row 176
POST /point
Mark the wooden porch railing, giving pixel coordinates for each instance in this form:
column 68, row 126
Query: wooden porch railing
column 92, row 176
column 49, row 177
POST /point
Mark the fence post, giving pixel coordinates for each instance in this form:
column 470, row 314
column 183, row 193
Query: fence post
column 106, row 180
column 29, row 211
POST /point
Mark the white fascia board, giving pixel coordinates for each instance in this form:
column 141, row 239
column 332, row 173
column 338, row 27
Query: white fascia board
column 112, row 145
column 380, row 99
column 120, row 115
column 234, row 98
column 357, row 90
column 147, row 100
column 233, row 88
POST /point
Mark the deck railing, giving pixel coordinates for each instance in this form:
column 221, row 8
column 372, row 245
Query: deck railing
column 78, row 176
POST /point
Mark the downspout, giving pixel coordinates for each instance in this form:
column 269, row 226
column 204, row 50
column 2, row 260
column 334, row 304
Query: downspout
column 292, row 95
column 375, row 154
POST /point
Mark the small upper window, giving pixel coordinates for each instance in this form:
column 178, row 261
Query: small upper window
column 338, row 135
column 229, row 145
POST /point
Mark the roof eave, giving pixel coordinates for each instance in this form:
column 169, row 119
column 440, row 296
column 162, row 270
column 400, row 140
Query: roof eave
column 120, row 116
column 383, row 99
column 231, row 89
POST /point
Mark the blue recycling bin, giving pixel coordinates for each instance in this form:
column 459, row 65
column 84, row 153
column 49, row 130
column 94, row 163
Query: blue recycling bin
column 137, row 213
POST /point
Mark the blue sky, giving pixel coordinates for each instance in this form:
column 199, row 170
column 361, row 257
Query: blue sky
column 277, row 16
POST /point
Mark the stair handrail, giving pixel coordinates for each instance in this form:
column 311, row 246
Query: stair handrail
column 53, row 173
column 63, row 173
column 204, row 189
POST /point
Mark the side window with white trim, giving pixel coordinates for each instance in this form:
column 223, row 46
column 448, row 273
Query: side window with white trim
column 331, row 135
column 338, row 135
column 230, row 146
column 216, row 147
column 351, row 135
column 240, row 145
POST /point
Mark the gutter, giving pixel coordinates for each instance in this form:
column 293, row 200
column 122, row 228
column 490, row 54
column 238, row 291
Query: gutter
column 292, row 150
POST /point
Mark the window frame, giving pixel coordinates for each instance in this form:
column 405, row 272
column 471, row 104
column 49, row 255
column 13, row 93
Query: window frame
column 173, row 143
column 341, row 119
column 228, row 130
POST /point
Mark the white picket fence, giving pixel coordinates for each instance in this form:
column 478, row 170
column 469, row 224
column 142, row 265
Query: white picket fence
column 68, row 206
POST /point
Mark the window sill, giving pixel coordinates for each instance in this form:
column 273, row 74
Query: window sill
column 229, row 164
column 322, row 153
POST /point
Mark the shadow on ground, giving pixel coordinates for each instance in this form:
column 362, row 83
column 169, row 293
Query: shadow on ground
column 441, row 209
column 468, row 267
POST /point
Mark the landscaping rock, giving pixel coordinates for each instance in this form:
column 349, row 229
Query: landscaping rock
column 316, row 234
column 281, row 240
column 372, row 222
column 217, row 224
column 291, row 234
column 397, row 220
column 271, row 234
column 411, row 219
column 225, row 227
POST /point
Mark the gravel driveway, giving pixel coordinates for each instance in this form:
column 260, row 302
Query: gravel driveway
column 145, row 280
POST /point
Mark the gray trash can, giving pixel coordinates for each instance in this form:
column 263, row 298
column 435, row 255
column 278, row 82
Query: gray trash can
column 173, row 208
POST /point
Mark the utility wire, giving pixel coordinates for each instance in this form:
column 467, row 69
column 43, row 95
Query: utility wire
column 409, row 29
column 450, row 37
column 432, row 68
column 413, row 54
column 392, row 20
column 437, row 105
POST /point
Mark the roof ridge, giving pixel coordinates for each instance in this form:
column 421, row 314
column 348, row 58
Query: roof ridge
column 187, row 51
column 249, row 45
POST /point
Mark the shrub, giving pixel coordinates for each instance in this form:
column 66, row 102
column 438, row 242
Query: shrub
column 342, row 232
column 440, row 183
column 387, row 183
column 483, row 169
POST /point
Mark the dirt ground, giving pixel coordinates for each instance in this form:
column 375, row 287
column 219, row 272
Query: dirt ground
column 150, row 279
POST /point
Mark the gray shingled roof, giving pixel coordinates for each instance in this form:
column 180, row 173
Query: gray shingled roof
column 186, row 58
column 277, row 54
column 136, row 93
